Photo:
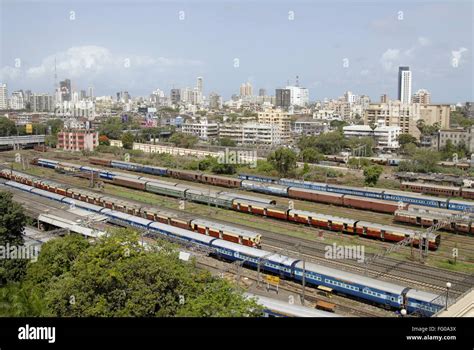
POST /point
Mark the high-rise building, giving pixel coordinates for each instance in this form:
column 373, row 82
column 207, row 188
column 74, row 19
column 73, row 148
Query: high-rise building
column 404, row 84
column 422, row 96
column 91, row 92
column 384, row 98
column 18, row 100
column 298, row 96
column 215, row 101
column 175, row 96
column 41, row 103
column 3, row 96
column 65, row 89
column 83, row 95
column 282, row 98
column 246, row 90
column 199, row 85
column 262, row 92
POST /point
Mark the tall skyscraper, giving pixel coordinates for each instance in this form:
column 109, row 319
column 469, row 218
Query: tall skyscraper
column 199, row 85
column 404, row 84
column 246, row 89
column 282, row 97
column 175, row 96
column 3, row 96
column 91, row 92
column 65, row 89
column 262, row 92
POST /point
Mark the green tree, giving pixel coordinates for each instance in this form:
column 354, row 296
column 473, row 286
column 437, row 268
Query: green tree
column 328, row 143
column 310, row 155
column 18, row 301
column 51, row 140
column 127, row 140
column 112, row 128
column 183, row 140
column 283, row 159
column 220, row 168
column 117, row 277
column 56, row 125
column 404, row 139
column 7, row 127
column 225, row 141
column 372, row 174
column 12, row 223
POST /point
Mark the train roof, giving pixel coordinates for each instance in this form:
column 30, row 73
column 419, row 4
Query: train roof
column 127, row 178
column 424, row 296
column 263, row 184
column 48, row 194
column 183, row 233
column 421, row 184
column 228, row 228
column 18, row 185
column 308, row 190
column 322, row 216
column 352, row 277
column 304, row 182
column 288, row 309
column 128, row 217
column 162, row 185
column 250, row 198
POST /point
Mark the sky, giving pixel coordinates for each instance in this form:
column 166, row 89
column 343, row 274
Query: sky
column 333, row 46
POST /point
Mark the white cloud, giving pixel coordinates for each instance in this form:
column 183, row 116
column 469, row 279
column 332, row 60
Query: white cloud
column 390, row 58
column 92, row 60
column 457, row 56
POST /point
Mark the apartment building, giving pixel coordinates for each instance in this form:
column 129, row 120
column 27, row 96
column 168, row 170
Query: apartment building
column 78, row 140
column 251, row 133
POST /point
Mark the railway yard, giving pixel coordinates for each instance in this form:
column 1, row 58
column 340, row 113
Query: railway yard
column 424, row 263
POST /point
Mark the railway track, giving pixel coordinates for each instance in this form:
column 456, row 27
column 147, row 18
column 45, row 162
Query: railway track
column 385, row 268
column 345, row 306
column 381, row 268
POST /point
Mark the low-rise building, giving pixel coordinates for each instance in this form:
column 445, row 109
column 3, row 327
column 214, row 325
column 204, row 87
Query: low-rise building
column 386, row 137
column 251, row 133
column 202, row 129
column 78, row 140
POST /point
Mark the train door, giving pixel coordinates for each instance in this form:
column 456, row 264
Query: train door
column 310, row 220
column 329, row 224
column 265, row 210
column 344, row 227
column 249, row 208
column 221, row 234
column 364, row 230
column 241, row 239
column 418, row 220
column 382, row 235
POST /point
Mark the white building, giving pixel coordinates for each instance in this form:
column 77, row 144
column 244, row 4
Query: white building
column 298, row 96
column 203, row 129
column 251, row 133
column 17, row 100
column 386, row 137
column 404, row 84
column 3, row 96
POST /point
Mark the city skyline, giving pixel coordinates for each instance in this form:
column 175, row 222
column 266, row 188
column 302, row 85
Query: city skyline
column 361, row 53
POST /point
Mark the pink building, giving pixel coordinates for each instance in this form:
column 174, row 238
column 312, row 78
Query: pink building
column 78, row 140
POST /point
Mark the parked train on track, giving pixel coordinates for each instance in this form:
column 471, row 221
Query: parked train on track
column 258, row 206
column 378, row 292
column 365, row 198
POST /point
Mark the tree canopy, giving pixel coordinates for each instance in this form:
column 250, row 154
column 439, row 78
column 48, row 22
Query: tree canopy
column 12, row 223
column 117, row 276
column 283, row 159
